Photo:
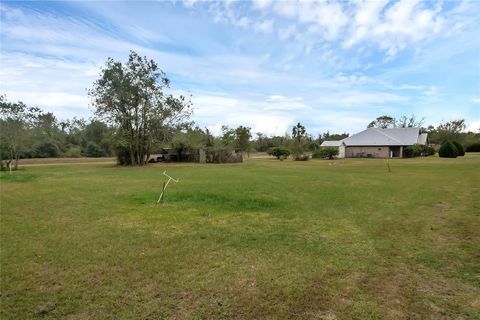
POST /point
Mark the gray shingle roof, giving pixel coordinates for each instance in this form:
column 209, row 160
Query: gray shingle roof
column 386, row 137
column 333, row 143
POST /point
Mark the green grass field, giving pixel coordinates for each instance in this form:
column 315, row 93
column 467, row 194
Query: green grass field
column 260, row 240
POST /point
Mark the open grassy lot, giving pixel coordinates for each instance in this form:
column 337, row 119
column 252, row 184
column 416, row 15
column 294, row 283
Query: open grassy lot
column 260, row 240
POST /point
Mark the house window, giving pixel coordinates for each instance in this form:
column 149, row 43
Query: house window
column 379, row 149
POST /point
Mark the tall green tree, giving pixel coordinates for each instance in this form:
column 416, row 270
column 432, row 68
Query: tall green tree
column 327, row 136
column 16, row 123
column 242, row 138
column 382, row 122
column 299, row 141
column 98, row 135
column 132, row 97
column 449, row 130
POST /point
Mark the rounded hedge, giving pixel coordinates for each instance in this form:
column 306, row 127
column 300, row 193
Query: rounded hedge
column 461, row 150
column 448, row 150
column 278, row 152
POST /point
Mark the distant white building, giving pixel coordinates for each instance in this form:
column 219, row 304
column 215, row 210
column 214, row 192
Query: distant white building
column 378, row 143
column 337, row 144
column 333, row 143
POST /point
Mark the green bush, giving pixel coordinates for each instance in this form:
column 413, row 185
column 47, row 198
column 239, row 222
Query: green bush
column 94, row 150
column 279, row 152
column 416, row 150
column 448, row 150
column 431, row 151
column 73, row 152
column 325, row 153
column 409, row 152
column 302, row 157
column 461, row 150
column 474, row 147
column 47, row 150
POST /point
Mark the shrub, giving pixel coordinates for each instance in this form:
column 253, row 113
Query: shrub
column 431, row 151
column 123, row 155
column 326, row 153
column 47, row 150
column 461, row 150
column 409, row 152
column 94, row 150
column 474, row 147
column 302, row 157
column 279, row 152
column 73, row 152
column 415, row 150
column 448, row 150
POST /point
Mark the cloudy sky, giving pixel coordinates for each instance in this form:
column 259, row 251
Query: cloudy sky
column 331, row 65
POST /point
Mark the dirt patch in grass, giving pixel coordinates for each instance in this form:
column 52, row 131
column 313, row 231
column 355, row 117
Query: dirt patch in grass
column 63, row 160
column 408, row 293
column 44, row 308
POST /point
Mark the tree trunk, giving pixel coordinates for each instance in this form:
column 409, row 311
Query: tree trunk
column 16, row 161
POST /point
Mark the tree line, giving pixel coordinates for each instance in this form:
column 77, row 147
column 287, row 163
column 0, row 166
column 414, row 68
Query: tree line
column 135, row 117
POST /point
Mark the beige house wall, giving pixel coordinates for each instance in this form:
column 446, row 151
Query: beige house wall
column 376, row 152
column 341, row 151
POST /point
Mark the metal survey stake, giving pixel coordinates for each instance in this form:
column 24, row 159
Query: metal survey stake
column 160, row 199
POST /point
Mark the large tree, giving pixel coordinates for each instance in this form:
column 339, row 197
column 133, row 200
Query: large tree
column 16, row 123
column 450, row 130
column 132, row 97
column 299, row 141
column 242, row 138
column 409, row 122
column 382, row 122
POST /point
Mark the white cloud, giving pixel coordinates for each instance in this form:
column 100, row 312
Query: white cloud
column 271, row 115
column 362, row 99
column 243, row 22
column 57, row 86
column 473, row 126
column 261, row 4
column 190, row 3
column 288, row 32
column 324, row 18
column 390, row 26
column 265, row 26
column 394, row 28
column 281, row 103
column 325, row 89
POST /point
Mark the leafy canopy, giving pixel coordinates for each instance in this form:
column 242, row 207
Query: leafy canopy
column 132, row 97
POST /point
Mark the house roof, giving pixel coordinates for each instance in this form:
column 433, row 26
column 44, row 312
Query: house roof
column 386, row 137
column 332, row 143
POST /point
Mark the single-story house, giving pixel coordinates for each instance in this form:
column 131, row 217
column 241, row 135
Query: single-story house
column 380, row 143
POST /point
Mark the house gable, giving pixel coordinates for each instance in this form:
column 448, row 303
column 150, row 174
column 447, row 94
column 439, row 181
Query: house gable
column 386, row 137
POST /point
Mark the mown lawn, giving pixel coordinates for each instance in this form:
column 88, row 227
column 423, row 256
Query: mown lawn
column 260, row 240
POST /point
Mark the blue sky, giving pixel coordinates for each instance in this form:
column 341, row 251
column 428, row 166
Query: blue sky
column 331, row 65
